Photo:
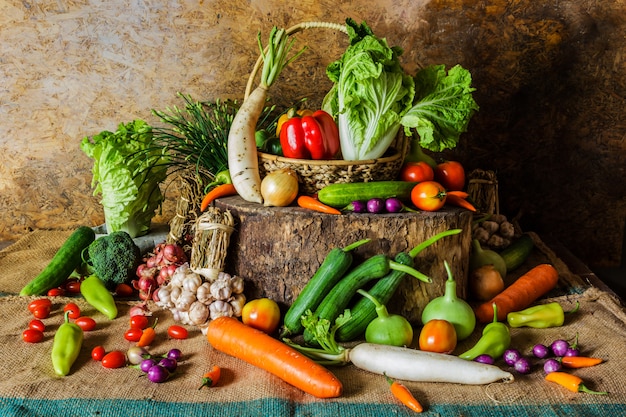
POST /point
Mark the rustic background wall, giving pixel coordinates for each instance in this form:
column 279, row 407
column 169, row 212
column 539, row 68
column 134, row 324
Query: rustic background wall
column 549, row 78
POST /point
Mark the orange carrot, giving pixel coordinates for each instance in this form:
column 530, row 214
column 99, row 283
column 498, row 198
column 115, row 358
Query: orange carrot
column 402, row 393
column 579, row 361
column 221, row 190
column 520, row 294
column 458, row 201
column 311, row 203
column 230, row 336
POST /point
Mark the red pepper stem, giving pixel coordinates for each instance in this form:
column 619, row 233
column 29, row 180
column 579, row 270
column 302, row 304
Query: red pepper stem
column 583, row 388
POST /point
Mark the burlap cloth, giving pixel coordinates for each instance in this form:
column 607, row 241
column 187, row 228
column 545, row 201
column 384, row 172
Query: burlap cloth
column 29, row 387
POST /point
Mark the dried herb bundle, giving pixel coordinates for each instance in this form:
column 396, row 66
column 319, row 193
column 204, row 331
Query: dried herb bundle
column 210, row 246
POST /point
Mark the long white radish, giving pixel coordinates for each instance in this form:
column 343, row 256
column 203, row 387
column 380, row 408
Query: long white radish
column 243, row 162
column 416, row 365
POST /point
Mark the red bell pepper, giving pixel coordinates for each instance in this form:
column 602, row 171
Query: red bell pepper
column 310, row 137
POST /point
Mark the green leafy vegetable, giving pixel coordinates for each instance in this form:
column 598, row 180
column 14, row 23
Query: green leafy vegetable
column 443, row 106
column 126, row 176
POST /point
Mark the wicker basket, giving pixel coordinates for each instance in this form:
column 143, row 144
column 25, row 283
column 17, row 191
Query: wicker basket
column 315, row 174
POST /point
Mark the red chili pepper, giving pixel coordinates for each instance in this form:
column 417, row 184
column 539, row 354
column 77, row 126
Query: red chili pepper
column 211, row 378
column 147, row 336
column 310, row 137
column 402, row 393
column 579, row 361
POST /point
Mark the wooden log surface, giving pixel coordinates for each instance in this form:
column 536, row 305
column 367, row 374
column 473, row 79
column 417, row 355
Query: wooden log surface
column 277, row 249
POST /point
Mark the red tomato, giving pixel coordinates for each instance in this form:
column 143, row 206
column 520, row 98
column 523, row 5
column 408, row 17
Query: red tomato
column 133, row 335
column 416, row 172
column 451, row 175
column 139, row 322
column 37, row 324
column 428, row 196
column 73, row 287
column 177, row 332
column 41, row 312
column 98, row 353
column 86, row 323
column 40, row 302
column 74, row 310
column 114, row 359
column 55, row 292
column 438, row 336
column 262, row 314
column 124, row 290
column 32, row 336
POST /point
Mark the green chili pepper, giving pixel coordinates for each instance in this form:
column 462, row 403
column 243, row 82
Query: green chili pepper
column 98, row 296
column 66, row 346
column 540, row 316
column 495, row 339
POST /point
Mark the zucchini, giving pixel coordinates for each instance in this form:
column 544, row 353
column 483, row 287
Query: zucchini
column 517, row 252
column 340, row 295
column 364, row 311
column 64, row 262
column 334, row 266
column 340, row 195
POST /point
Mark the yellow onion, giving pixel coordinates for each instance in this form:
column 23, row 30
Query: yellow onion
column 279, row 188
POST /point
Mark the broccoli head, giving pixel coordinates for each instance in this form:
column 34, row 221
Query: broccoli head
column 114, row 258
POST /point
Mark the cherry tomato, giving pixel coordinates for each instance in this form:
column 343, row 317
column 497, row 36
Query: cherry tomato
column 40, row 302
column 73, row 287
column 56, row 292
column 133, row 335
column 98, row 353
column 114, row 359
column 177, row 332
column 32, row 336
column 451, row 175
column 37, row 324
column 41, row 312
column 86, row 323
column 262, row 314
column 428, row 196
column 416, row 172
column 438, row 336
column 139, row 322
column 74, row 310
column 124, row 290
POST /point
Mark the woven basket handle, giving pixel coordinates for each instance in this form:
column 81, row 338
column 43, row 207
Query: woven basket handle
column 290, row 31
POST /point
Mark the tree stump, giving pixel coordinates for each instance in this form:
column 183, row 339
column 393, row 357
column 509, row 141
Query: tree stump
column 277, row 249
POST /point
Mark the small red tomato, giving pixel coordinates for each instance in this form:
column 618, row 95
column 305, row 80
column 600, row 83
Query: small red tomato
column 98, row 353
column 56, row 292
column 37, row 324
column 73, row 287
column 40, row 302
column 86, row 323
column 32, row 336
column 114, row 359
column 124, row 290
column 177, row 332
column 74, row 310
column 438, row 336
column 416, row 172
column 139, row 322
column 133, row 335
column 42, row 312
column 451, row 175
column 428, row 196
column 262, row 314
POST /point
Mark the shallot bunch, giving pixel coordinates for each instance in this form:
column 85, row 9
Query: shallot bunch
column 194, row 301
column 158, row 269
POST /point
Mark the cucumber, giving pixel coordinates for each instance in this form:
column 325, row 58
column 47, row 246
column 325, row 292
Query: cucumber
column 67, row 258
column 364, row 311
column 340, row 195
column 334, row 266
column 517, row 252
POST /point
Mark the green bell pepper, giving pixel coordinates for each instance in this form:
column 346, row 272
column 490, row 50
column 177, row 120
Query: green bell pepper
column 66, row 346
column 495, row 339
column 540, row 316
column 98, row 296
